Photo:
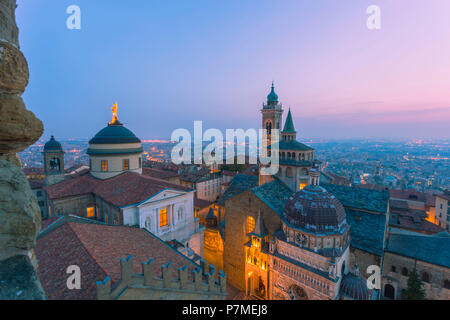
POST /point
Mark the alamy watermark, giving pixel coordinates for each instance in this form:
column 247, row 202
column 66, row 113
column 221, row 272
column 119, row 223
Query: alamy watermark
column 189, row 150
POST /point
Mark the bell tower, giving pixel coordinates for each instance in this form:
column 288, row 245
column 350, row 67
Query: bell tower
column 272, row 113
column 53, row 162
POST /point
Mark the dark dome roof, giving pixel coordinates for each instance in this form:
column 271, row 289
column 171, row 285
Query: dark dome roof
column 52, row 145
column 355, row 287
column 114, row 134
column 315, row 209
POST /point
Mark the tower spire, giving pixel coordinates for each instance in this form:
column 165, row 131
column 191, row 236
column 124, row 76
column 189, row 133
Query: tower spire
column 289, row 124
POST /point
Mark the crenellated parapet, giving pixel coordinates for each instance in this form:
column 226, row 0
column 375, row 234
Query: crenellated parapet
column 202, row 283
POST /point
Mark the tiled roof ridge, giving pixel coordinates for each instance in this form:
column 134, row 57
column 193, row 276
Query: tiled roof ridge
column 86, row 248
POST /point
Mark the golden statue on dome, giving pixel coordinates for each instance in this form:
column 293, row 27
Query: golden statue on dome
column 115, row 118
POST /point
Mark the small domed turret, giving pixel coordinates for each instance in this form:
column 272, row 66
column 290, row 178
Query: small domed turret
column 272, row 98
column 52, row 145
column 353, row 286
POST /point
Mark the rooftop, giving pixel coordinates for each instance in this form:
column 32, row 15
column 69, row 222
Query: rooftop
column 357, row 198
column 433, row 249
column 239, row 184
column 97, row 250
column 366, row 230
column 123, row 190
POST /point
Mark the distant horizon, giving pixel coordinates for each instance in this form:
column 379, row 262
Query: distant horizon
column 169, row 64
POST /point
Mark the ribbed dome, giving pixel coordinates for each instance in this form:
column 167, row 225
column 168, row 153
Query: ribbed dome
column 114, row 134
column 355, row 287
column 315, row 209
column 52, row 145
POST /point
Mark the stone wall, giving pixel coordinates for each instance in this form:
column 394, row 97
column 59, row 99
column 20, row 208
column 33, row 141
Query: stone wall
column 20, row 216
column 434, row 289
column 237, row 210
column 201, row 285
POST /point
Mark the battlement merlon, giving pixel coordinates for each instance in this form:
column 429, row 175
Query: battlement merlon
column 209, row 283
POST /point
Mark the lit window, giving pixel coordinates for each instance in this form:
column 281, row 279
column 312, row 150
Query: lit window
column 250, row 224
column 104, row 165
column 90, row 212
column 163, row 218
column 126, row 164
column 303, row 185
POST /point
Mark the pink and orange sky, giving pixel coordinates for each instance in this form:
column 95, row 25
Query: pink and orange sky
column 170, row 63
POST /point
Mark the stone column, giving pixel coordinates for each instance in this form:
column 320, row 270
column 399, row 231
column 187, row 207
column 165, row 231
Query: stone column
column 20, row 217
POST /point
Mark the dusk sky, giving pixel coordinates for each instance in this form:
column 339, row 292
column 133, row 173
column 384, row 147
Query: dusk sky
column 168, row 63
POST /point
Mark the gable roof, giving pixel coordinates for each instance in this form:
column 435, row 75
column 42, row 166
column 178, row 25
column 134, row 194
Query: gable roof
column 239, row 184
column 97, row 249
column 274, row 194
column 357, row 198
column 123, row 190
column 432, row 249
column 367, row 230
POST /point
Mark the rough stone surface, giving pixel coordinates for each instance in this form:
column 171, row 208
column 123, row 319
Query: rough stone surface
column 19, row 127
column 8, row 27
column 20, row 216
column 18, row 280
column 14, row 73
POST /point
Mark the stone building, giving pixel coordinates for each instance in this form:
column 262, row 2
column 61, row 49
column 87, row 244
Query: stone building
column 428, row 254
column 116, row 190
column 443, row 210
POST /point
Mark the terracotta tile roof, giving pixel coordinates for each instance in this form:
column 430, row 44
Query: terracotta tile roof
column 412, row 195
column 199, row 203
column 126, row 189
column 97, row 250
column 158, row 173
column 36, row 183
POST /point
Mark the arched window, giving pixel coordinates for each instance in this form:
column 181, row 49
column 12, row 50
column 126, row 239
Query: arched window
column 447, row 284
column 404, row 272
column 250, row 224
column 425, row 277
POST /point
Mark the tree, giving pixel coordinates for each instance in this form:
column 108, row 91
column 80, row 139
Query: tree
column 415, row 289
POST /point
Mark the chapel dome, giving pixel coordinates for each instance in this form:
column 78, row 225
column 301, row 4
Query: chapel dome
column 355, row 287
column 315, row 209
column 53, row 146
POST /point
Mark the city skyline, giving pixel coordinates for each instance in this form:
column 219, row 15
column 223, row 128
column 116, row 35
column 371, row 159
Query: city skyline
column 215, row 62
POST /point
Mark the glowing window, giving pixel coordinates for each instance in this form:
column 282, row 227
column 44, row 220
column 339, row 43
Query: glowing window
column 163, row 218
column 126, row 164
column 104, row 165
column 250, row 224
column 303, row 185
column 90, row 212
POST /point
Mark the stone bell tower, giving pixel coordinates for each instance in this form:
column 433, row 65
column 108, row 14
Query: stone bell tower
column 53, row 162
column 272, row 113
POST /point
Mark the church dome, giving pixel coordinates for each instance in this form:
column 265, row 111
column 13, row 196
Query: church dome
column 52, row 145
column 315, row 209
column 114, row 134
column 355, row 287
